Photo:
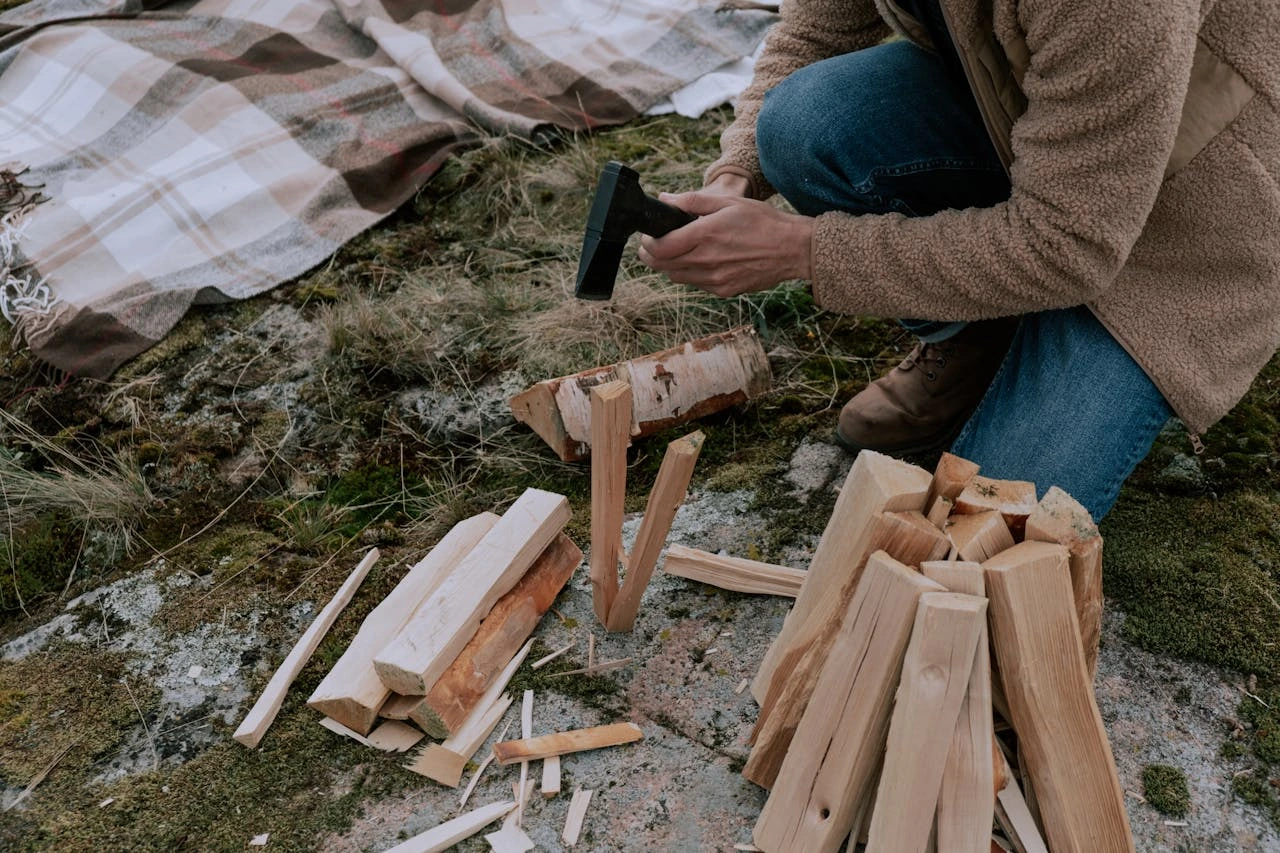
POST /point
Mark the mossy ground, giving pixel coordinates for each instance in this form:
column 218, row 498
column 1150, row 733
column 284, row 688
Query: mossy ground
column 274, row 503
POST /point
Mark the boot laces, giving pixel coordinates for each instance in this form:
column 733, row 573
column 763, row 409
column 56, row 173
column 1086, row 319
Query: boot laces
column 929, row 357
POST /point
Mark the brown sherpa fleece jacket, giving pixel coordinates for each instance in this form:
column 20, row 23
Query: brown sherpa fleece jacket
column 1143, row 145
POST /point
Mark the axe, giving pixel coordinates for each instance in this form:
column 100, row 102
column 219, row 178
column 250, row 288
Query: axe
column 619, row 210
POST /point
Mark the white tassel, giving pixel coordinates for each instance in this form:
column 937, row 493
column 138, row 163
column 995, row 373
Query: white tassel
column 19, row 293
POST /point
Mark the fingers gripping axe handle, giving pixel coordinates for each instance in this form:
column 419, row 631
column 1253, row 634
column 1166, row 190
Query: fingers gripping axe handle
column 619, row 210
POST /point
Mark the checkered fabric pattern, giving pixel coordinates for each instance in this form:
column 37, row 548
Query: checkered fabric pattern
column 202, row 151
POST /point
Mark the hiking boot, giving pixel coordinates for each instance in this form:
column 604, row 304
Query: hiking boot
column 920, row 405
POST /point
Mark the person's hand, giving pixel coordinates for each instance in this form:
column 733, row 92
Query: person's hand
column 737, row 245
column 727, row 183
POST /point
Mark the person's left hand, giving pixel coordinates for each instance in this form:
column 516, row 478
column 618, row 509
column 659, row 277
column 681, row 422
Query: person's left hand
column 737, row 245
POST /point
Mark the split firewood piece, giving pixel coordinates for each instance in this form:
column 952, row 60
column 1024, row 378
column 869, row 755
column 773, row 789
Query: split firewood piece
column 829, row 772
column 352, row 692
column 563, row 743
column 577, row 814
column 526, row 732
column 445, row 761
column 876, row 483
column 451, row 615
column 950, row 477
column 1036, row 637
column 339, row 729
column 935, row 681
column 671, row 387
column 396, row 707
column 451, row 832
column 551, row 776
column 1061, row 518
column 979, row 536
column 735, row 573
column 610, row 431
column 966, row 801
column 510, row 839
column 395, row 736
column 264, row 711
column 457, row 692
column 906, row 537
column 1016, row 499
column 1012, row 813
column 664, row 500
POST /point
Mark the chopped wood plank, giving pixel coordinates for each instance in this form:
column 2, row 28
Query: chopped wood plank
column 1061, row 518
column 351, row 692
column 510, row 839
column 472, row 733
column 543, row 661
column 451, row 832
column 551, row 776
column 1015, row 499
column 444, row 762
column 876, row 483
column 610, row 434
column 509, row 624
column 735, row 573
column 829, row 774
column 255, row 723
column 935, row 681
column 966, row 802
column 905, row 536
column 951, row 476
column 423, row 649
column 939, row 512
column 665, row 498
column 979, row 536
column 395, row 736
column 1036, row 637
column 396, row 707
column 577, row 814
column 563, row 743
column 675, row 386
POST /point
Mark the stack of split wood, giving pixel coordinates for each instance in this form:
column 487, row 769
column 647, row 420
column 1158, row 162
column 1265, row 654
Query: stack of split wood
column 932, row 687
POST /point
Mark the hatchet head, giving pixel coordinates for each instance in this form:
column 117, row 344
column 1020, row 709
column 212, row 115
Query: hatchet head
column 620, row 209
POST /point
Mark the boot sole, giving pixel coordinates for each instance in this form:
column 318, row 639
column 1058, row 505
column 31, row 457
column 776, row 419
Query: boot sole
column 935, row 445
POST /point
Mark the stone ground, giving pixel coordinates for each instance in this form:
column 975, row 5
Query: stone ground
column 693, row 646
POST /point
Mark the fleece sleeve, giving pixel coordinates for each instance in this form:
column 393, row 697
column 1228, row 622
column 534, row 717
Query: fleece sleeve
column 1105, row 87
column 808, row 30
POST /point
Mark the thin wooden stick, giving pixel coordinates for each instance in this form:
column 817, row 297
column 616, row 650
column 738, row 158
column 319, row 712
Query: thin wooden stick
column 541, row 662
column 606, row 666
column 451, row 832
column 264, row 711
column 563, row 743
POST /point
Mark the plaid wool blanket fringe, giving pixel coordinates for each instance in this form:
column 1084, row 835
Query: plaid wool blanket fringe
column 161, row 155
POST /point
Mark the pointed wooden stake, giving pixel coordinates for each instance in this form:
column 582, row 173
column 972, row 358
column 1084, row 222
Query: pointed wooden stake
column 668, row 493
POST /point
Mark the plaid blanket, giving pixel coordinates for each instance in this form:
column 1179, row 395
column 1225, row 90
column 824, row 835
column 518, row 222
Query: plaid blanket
column 158, row 155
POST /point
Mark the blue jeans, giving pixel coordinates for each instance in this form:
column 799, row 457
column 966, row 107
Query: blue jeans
column 888, row 130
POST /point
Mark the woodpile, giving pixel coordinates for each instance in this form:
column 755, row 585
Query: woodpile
column 946, row 634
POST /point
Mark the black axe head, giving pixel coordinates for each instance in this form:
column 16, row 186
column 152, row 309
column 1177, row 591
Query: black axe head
column 619, row 210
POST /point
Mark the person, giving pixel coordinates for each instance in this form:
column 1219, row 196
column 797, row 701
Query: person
column 1078, row 199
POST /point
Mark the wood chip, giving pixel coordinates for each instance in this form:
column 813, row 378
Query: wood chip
column 450, row 832
column 577, row 813
column 541, row 662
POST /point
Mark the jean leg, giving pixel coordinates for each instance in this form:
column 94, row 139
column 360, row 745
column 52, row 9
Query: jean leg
column 1069, row 407
column 881, row 130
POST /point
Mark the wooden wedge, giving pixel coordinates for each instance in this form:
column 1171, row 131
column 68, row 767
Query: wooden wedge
column 978, row 536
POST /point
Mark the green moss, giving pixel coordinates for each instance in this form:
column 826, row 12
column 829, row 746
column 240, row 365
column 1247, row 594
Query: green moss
column 1197, row 578
column 1165, row 788
column 39, row 558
